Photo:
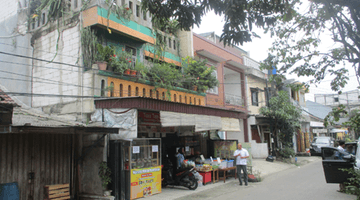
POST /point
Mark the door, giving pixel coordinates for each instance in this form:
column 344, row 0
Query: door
column 333, row 161
column 255, row 134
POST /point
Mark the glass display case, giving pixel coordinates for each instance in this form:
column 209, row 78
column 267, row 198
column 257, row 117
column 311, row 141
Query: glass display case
column 136, row 167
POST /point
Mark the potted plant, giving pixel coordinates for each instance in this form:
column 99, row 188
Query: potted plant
column 104, row 173
column 104, row 55
column 200, row 76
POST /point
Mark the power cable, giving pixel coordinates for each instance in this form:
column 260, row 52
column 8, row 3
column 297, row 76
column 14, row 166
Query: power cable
column 38, row 50
column 43, row 60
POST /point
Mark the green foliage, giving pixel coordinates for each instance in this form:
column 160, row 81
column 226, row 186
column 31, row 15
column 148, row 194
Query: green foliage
column 287, row 152
column 121, row 61
column 334, row 115
column 121, row 12
column 352, row 187
column 239, row 16
column 88, row 44
column 104, row 173
column 104, row 53
column 199, row 74
column 284, row 116
column 298, row 48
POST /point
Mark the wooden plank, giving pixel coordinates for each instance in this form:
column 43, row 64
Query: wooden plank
column 3, row 158
column 62, row 155
column 27, row 167
column 9, row 158
column 58, row 186
column 48, row 161
column 43, row 141
column 52, row 159
column 36, row 164
column 61, row 198
column 58, row 191
column 56, row 163
column 65, row 194
column 21, row 178
column 15, row 158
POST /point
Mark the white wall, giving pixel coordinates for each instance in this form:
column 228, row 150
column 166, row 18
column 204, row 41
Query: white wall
column 8, row 9
column 66, row 80
column 259, row 150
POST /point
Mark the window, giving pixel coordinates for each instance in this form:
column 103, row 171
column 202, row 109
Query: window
column 129, row 91
column 122, row 2
column 151, row 93
column 180, row 99
column 102, row 92
column 169, row 42
column 144, row 92
column 38, row 23
column 157, row 95
column 163, row 96
column 137, row 11
column 336, row 99
column 194, row 101
column 174, row 46
column 131, row 5
column 254, row 97
column 136, row 91
column 111, row 89
column 199, row 102
column 43, row 18
column 132, row 51
column 75, row 4
column 214, row 90
column 174, row 98
column 144, row 15
column 185, row 99
column 121, row 93
column 190, row 100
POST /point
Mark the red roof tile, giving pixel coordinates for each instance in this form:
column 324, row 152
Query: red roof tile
column 5, row 99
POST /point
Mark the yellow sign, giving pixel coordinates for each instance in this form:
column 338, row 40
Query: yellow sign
column 145, row 182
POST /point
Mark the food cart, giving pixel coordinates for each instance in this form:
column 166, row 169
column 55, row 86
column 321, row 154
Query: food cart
column 136, row 167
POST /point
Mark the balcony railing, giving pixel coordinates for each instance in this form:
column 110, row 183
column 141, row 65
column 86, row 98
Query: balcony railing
column 234, row 100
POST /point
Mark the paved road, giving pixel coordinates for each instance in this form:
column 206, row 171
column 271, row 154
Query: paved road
column 302, row 183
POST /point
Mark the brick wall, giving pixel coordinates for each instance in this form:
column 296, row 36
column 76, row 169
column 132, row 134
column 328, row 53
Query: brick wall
column 65, row 79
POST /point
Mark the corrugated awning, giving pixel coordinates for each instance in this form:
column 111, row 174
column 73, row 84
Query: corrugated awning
column 201, row 122
column 230, row 124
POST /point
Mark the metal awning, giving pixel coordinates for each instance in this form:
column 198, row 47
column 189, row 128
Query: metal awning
column 236, row 64
column 210, row 55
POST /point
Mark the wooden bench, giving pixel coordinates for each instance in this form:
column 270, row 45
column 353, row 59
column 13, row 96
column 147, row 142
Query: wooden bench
column 57, row 192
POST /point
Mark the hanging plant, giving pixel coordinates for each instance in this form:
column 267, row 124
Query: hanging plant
column 104, row 173
column 121, row 12
column 88, row 43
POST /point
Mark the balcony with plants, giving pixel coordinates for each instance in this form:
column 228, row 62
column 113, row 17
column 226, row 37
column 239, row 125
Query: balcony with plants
column 193, row 77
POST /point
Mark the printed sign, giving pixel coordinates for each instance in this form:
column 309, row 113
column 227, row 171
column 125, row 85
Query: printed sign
column 155, row 148
column 145, row 182
column 187, row 148
column 136, row 149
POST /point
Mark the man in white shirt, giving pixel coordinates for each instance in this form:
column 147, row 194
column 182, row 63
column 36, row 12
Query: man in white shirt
column 341, row 145
column 241, row 155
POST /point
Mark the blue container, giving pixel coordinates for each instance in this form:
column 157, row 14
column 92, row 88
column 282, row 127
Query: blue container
column 9, row 191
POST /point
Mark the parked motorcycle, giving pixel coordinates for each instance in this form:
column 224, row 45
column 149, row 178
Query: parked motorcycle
column 183, row 177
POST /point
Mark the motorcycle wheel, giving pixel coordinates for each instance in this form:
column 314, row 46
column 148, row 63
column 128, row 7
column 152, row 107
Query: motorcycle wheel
column 193, row 184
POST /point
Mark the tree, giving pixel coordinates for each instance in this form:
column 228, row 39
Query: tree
column 299, row 36
column 284, row 118
column 239, row 15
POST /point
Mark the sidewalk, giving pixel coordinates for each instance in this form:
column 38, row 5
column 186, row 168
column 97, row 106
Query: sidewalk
column 259, row 165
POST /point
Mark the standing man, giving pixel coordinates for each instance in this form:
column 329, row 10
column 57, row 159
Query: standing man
column 241, row 156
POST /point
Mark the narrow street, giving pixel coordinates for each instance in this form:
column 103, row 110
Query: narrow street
column 302, row 183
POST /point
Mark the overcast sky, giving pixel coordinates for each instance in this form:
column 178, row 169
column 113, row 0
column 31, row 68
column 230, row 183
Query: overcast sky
column 258, row 50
